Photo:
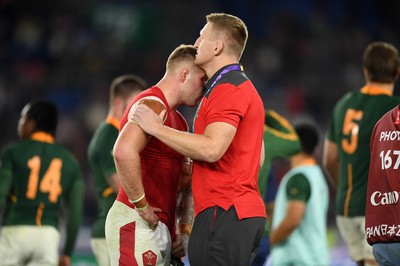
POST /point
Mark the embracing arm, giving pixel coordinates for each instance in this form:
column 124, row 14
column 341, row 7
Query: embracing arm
column 185, row 210
column 185, row 216
column 209, row 147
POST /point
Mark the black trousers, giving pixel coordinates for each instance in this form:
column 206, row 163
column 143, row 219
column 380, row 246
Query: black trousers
column 219, row 238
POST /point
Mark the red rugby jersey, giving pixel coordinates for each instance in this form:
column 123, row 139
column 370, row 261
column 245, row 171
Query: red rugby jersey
column 161, row 165
column 232, row 180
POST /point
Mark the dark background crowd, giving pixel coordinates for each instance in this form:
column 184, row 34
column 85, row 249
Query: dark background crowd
column 302, row 55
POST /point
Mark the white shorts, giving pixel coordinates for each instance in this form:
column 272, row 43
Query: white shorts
column 352, row 230
column 100, row 251
column 130, row 239
column 29, row 245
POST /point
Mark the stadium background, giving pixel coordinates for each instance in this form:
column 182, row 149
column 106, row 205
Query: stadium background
column 302, row 55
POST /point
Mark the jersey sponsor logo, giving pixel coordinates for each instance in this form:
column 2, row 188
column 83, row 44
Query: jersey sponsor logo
column 389, row 135
column 149, row 258
column 382, row 230
column 386, row 198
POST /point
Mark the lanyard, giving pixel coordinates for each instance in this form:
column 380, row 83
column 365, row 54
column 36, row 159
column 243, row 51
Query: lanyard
column 223, row 72
column 235, row 67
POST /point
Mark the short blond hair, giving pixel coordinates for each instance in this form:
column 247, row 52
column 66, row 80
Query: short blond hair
column 182, row 53
column 234, row 29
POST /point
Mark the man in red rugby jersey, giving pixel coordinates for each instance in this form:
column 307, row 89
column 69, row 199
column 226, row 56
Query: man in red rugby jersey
column 141, row 222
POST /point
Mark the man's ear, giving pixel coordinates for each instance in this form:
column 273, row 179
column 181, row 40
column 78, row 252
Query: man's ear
column 219, row 46
column 183, row 75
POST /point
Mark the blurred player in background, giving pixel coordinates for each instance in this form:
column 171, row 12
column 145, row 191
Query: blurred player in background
column 298, row 235
column 36, row 177
column 346, row 154
column 100, row 156
column 141, row 224
column 281, row 141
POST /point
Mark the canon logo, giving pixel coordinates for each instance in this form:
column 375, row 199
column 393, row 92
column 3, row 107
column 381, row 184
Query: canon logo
column 378, row 198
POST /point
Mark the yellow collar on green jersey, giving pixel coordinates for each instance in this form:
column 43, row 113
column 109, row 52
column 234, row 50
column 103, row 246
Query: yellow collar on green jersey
column 113, row 121
column 42, row 136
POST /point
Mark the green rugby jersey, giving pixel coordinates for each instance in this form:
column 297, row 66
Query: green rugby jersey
column 280, row 141
column 102, row 165
column 353, row 119
column 40, row 176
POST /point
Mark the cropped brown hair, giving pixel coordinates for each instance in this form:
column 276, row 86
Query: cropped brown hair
column 381, row 60
column 124, row 86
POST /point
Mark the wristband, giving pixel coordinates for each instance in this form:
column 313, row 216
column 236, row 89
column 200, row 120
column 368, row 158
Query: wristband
column 185, row 229
column 142, row 208
column 137, row 200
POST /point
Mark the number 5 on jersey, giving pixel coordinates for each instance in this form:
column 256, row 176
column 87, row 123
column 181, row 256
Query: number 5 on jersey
column 351, row 128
